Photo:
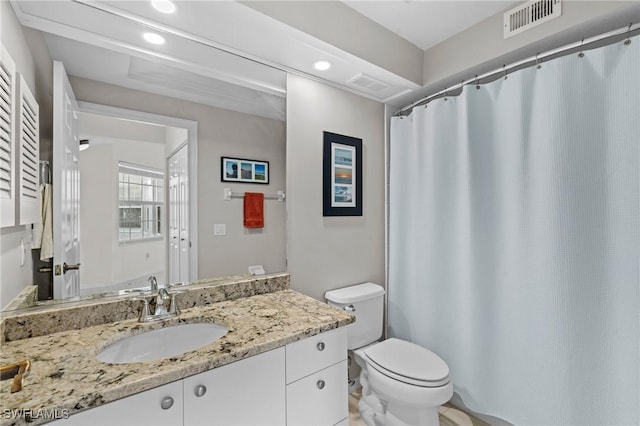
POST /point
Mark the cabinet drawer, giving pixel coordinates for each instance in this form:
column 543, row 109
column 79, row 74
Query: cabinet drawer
column 319, row 399
column 315, row 353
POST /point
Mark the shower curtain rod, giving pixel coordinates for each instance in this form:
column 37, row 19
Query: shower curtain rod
column 631, row 29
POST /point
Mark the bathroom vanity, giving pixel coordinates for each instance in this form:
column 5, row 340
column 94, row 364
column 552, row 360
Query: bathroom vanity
column 277, row 387
column 283, row 361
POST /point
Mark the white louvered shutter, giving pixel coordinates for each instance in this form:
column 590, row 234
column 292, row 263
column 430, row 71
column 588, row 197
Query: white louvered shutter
column 7, row 139
column 29, row 155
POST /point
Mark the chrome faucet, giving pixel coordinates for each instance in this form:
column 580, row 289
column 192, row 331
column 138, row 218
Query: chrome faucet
column 166, row 304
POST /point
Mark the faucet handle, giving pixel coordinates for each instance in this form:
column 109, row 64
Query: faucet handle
column 144, row 312
column 173, row 308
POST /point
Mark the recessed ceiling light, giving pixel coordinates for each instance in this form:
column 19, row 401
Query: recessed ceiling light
column 153, row 38
column 164, row 6
column 322, row 65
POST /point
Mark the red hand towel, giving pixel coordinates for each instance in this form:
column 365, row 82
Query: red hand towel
column 254, row 210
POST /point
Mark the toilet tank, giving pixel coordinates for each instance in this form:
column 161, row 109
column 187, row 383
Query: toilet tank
column 366, row 302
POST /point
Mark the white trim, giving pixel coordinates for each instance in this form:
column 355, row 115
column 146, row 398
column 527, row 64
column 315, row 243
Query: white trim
column 192, row 141
column 388, row 113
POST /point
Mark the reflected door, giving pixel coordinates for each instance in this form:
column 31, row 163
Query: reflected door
column 66, row 187
column 179, row 241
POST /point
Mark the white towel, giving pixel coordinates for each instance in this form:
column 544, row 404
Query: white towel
column 43, row 231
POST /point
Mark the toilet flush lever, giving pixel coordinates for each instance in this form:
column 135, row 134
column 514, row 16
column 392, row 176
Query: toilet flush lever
column 350, row 308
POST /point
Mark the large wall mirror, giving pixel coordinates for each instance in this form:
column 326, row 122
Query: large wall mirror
column 156, row 125
column 135, row 220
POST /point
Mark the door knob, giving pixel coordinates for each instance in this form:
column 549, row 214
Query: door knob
column 66, row 267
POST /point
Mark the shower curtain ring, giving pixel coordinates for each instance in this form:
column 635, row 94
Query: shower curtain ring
column 504, row 67
column 538, row 65
column 628, row 40
column 581, row 54
column 477, row 82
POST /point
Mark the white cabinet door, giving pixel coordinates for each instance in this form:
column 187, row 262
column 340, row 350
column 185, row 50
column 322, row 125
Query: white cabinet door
column 7, row 139
column 246, row 392
column 319, row 399
column 28, row 144
column 161, row 406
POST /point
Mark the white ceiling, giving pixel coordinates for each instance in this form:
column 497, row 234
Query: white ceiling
column 227, row 54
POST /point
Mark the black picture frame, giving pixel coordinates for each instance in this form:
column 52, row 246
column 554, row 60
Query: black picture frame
column 341, row 175
column 243, row 170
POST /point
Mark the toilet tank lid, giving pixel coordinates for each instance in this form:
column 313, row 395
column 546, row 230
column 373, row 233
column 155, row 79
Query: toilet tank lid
column 355, row 293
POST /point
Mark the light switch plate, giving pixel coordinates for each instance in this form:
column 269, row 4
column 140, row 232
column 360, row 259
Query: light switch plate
column 219, row 229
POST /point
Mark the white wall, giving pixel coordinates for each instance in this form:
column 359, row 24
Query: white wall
column 330, row 252
column 13, row 39
column 220, row 133
column 105, row 261
column 14, row 277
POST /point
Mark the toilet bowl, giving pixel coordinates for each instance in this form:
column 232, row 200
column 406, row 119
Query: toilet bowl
column 411, row 380
column 402, row 383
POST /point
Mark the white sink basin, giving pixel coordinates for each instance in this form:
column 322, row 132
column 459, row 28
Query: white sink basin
column 162, row 343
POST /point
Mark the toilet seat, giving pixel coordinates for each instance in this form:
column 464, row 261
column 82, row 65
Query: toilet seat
column 408, row 363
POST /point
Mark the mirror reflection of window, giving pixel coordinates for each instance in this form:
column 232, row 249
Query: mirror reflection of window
column 141, row 199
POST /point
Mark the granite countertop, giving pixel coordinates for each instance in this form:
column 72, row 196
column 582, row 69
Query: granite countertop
column 66, row 375
column 74, row 315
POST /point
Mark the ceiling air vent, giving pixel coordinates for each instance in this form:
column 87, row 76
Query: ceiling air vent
column 529, row 15
column 370, row 84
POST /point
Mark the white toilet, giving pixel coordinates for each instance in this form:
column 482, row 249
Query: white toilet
column 402, row 383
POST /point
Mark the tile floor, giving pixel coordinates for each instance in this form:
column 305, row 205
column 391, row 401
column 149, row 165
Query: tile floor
column 449, row 415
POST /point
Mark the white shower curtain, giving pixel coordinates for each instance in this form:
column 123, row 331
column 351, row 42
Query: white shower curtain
column 514, row 239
